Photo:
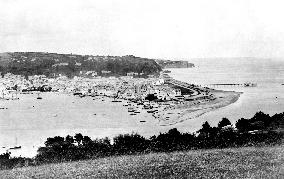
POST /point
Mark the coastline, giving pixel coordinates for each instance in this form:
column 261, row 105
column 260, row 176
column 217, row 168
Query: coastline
column 196, row 108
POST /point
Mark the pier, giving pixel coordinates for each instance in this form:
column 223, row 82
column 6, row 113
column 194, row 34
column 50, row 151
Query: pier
column 231, row 84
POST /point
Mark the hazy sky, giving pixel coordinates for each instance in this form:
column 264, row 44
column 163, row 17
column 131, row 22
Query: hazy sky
column 148, row 28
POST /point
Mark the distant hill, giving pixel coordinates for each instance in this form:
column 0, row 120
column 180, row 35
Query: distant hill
column 51, row 64
column 174, row 64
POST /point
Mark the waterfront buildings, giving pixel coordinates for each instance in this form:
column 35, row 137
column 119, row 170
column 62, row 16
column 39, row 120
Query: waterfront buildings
column 126, row 87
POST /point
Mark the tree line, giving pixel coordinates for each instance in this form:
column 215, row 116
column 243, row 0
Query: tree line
column 259, row 130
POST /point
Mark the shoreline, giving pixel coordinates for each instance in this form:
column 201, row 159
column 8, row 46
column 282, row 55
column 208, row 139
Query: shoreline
column 200, row 105
column 195, row 111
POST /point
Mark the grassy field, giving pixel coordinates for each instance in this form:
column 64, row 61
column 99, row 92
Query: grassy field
column 250, row 162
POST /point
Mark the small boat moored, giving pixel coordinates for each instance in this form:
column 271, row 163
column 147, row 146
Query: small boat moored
column 38, row 96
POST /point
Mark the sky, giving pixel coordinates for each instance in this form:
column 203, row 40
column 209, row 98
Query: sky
column 146, row 28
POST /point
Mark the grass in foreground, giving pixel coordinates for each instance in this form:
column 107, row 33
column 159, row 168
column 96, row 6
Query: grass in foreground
column 249, row 162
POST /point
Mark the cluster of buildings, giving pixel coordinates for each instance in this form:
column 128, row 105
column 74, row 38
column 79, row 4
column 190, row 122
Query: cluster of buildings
column 125, row 87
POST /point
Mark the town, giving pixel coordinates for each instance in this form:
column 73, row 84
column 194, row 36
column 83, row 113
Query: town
column 125, row 87
column 168, row 100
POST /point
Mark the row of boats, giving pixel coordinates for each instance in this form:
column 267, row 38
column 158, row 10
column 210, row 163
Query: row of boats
column 135, row 109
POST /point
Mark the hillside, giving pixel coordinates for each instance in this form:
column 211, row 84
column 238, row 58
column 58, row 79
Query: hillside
column 52, row 64
column 247, row 162
column 174, row 64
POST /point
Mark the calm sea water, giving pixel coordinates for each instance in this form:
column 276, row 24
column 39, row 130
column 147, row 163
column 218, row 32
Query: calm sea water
column 268, row 96
column 28, row 121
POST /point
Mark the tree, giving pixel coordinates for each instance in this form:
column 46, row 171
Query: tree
column 78, row 138
column 129, row 144
column 260, row 116
column 54, row 141
column 174, row 132
column 5, row 156
column 86, row 140
column 205, row 130
column 205, row 127
column 224, row 122
column 243, row 125
column 69, row 139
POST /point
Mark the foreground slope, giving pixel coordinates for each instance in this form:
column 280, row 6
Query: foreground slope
column 250, row 162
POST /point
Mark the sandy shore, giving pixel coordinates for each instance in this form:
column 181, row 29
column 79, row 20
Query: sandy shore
column 192, row 109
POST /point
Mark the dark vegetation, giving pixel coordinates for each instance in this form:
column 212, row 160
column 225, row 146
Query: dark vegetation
column 260, row 130
column 52, row 64
column 7, row 162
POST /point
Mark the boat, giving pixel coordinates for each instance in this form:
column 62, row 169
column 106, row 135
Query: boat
column 38, row 97
column 147, row 107
column 142, row 121
column 15, row 147
column 151, row 111
column 131, row 110
column 249, row 84
column 82, row 95
column 77, row 93
column 15, row 98
column 167, row 71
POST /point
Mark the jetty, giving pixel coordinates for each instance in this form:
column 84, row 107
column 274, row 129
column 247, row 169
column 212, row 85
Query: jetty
column 249, row 84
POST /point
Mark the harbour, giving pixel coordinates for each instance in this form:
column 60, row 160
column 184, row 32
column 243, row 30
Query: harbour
column 62, row 114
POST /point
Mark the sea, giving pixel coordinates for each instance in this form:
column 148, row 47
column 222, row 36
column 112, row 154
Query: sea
column 28, row 122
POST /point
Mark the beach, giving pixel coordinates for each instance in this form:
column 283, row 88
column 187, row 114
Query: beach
column 267, row 97
column 188, row 110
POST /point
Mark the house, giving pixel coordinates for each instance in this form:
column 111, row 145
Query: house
column 105, row 72
column 130, row 74
column 159, row 82
column 177, row 92
column 78, row 64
